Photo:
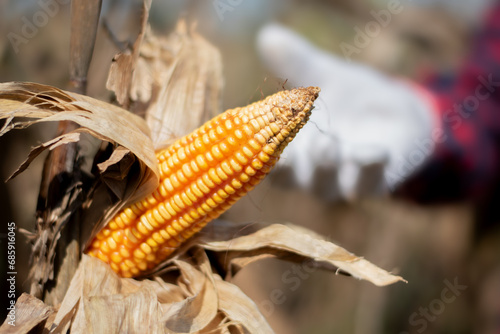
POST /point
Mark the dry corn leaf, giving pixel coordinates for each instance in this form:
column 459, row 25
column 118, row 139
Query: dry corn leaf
column 66, row 138
column 193, row 297
column 121, row 72
column 177, row 83
column 104, row 121
column 187, row 88
column 99, row 302
column 240, row 308
column 116, row 169
column 115, row 313
column 29, row 313
column 200, row 307
column 240, row 245
column 100, row 299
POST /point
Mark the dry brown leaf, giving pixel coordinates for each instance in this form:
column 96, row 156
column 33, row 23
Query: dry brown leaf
column 94, row 286
column 177, row 83
column 66, row 138
column 240, row 308
column 30, row 312
column 99, row 299
column 200, row 307
column 121, row 73
column 192, row 83
column 116, row 169
column 123, row 313
column 104, row 121
column 290, row 243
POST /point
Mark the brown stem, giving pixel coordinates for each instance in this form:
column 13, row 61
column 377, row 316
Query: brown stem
column 84, row 24
column 56, row 250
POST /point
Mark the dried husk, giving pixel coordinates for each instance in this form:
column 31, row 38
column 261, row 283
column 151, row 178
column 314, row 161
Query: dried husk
column 176, row 83
column 42, row 103
column 30, row 312
column 240, row 245
column 122, row 69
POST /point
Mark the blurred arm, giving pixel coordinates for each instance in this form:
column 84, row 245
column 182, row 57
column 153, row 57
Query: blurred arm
column 466, row 161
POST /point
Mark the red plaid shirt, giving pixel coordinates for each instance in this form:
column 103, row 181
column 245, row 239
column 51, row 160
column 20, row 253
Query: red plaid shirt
column 466, row 163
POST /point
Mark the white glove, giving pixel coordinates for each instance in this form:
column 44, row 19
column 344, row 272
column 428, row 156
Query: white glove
column 368, row 131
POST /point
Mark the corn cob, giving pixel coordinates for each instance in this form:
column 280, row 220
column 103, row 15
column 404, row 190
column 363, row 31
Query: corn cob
column 201, row 176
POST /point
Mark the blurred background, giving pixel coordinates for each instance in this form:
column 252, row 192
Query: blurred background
column 451, row 262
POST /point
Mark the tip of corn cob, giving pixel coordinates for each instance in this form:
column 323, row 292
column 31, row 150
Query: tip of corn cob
column 201, row 176
column 291, row 109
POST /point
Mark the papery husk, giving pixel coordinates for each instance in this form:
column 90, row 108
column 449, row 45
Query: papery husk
column 190, row 299
column 42, row 103
column 122, row 69
column 29, row 313
column 187, row 296
column 176, row 83
column 238, row 245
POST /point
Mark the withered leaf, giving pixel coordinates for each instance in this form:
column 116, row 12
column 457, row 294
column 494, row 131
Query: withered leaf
column 98, row 298
column 115, row 170
column 96, row 294
column 252, row 243
column 197, row 310
column 43, row 103
column 176, row 83
column 188, row 89
column 66, row 138
column 240, row 308
column 136, row 312
column 30, row 312
column 122, row 69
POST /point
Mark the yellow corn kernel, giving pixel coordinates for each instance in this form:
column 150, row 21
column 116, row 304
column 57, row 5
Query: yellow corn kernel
column 124, row 251
column 141, row 265
column 241, row 158
column 200, row 161
column 141, row 228
column 129, row 263
column 116, row 257
column 150, row 258
column 114, row 266
column 244, row 177
column 164, row 235
column 138, row 254
column 201, row 176
column 232, row 141
column 152, row 243
column 119, row 221
column 145, row 248
column 257, row 164
column 157, row 237
column 101, row 256
column 195, row 167
column 171, row 231
column 113, row 225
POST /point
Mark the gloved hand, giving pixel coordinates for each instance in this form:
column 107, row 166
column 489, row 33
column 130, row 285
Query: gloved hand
column 368, row 131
